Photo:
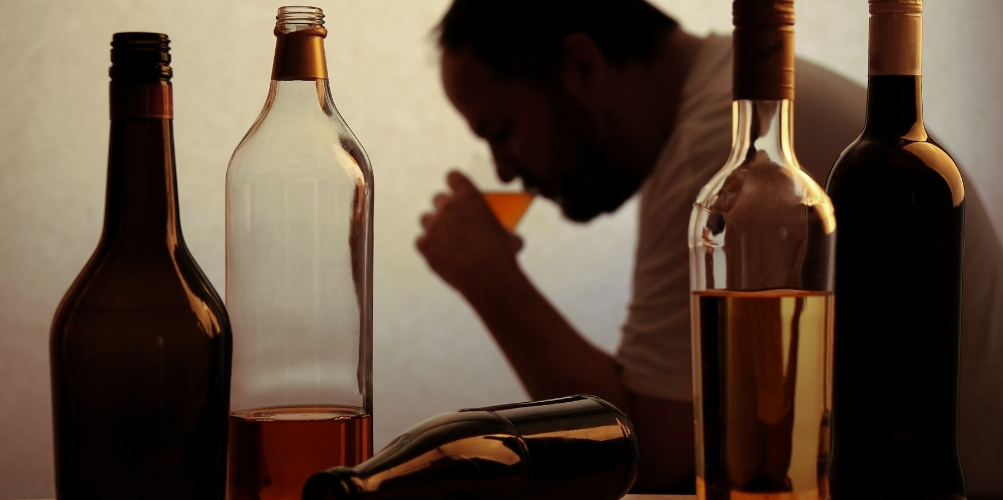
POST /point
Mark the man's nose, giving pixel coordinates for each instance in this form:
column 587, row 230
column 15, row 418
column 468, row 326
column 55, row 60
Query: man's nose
column 506, row 172
column 506, row 175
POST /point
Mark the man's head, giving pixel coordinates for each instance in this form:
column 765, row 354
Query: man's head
column 530, row 77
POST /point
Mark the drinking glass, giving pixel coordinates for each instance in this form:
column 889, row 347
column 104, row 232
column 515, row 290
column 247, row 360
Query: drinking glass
column 507, row 201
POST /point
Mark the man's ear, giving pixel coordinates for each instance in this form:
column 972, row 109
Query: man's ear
column 583, row 69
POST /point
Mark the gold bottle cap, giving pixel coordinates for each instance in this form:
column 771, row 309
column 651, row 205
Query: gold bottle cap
column 896, row 6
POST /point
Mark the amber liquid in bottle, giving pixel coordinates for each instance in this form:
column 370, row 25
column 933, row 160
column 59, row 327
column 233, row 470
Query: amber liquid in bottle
column 763, row 357
column 900, row 206
column 140, row 346
column 269, row 460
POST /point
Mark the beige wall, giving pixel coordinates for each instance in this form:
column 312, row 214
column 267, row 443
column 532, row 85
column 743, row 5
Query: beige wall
column 431, row 353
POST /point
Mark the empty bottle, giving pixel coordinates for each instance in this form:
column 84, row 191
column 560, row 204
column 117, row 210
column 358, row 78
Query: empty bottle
column 571, row 448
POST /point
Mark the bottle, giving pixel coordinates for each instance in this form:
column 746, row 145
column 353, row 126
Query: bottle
column 140, row 344
column 299, row 207
column 900, row 205
column 761, row 266
column 571, row 448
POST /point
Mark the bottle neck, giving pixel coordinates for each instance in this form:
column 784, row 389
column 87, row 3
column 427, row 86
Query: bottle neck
column 299, row 100
column 299, row 54
column 141, row 203
column 299, row 71
column 761, row 126
column 763, row 89
column 894, row 73
column 895, row 107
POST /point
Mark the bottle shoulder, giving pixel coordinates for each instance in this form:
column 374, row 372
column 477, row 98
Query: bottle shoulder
column 300, row 135
column 758, row 179
column 896, row 163
column 141, row 291
column 322, row 151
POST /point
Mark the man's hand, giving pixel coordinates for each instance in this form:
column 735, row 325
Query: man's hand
column 463, row 242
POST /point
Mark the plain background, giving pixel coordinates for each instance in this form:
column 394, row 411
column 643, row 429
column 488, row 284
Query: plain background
column 431, row 352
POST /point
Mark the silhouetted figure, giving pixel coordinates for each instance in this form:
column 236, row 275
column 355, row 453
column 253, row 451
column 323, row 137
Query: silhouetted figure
column 590, row 102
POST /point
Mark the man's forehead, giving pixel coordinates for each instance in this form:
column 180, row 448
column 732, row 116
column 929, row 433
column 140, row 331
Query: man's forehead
column 465, row 77
column 475, row 90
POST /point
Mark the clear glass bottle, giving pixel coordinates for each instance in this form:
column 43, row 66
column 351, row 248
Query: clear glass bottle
column 299, row 208
column 571, row 448
column 761, row 269
column 140, row 344
column 900, row 205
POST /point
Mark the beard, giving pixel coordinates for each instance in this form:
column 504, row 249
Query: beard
column 595, row 171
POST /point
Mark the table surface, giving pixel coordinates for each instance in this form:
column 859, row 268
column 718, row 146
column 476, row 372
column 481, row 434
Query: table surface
column 659, row 497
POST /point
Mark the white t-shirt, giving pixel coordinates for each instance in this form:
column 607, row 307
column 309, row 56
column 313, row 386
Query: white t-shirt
column 654, row 351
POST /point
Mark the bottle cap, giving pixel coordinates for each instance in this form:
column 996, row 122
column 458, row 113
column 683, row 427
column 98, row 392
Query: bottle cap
column 763, row 44
column 763, row 12
column 140, row 58
column 896, row 6
column 895, row 40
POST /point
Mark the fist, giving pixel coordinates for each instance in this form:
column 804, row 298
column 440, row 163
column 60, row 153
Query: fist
column 462, row 240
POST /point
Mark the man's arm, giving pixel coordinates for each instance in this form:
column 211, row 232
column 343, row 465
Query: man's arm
column 471, row 252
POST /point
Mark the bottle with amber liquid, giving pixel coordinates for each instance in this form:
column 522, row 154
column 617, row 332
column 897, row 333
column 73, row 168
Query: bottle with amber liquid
column 571, row 448
column 140, row 345
column 299, row 205
column 900, row 205
column 762, row 236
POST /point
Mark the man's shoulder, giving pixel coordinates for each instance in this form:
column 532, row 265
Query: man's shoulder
column 828, row 115
column 817, row 80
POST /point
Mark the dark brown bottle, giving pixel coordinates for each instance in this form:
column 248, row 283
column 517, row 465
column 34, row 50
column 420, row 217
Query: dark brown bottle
column 900, row 206
column 572, row 448
column 140, row 346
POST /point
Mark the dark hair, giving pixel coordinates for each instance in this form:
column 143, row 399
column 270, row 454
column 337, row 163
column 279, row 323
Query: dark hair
column 524, row 38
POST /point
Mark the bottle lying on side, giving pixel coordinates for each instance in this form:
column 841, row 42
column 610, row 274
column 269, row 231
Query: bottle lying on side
column 576, row 447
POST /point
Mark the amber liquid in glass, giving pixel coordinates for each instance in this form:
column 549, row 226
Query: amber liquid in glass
column 763, row 411
column 508, row 207
column 273, row 451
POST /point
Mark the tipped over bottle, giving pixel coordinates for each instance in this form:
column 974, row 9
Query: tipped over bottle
column 572, row 448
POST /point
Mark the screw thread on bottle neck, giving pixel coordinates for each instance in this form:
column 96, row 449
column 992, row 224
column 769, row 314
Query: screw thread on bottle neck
column 297, row 18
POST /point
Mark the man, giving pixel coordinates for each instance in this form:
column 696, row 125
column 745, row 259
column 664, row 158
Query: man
column 589, row 102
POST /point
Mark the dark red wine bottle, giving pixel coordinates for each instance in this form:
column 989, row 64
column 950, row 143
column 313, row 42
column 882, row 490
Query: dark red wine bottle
column 140, row 346
column 900, row 205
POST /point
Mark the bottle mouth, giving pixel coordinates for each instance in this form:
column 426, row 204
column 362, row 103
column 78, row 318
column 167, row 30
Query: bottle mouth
column 332, row 484
column 140, row 58
column 298, row 18
column 878, row 7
